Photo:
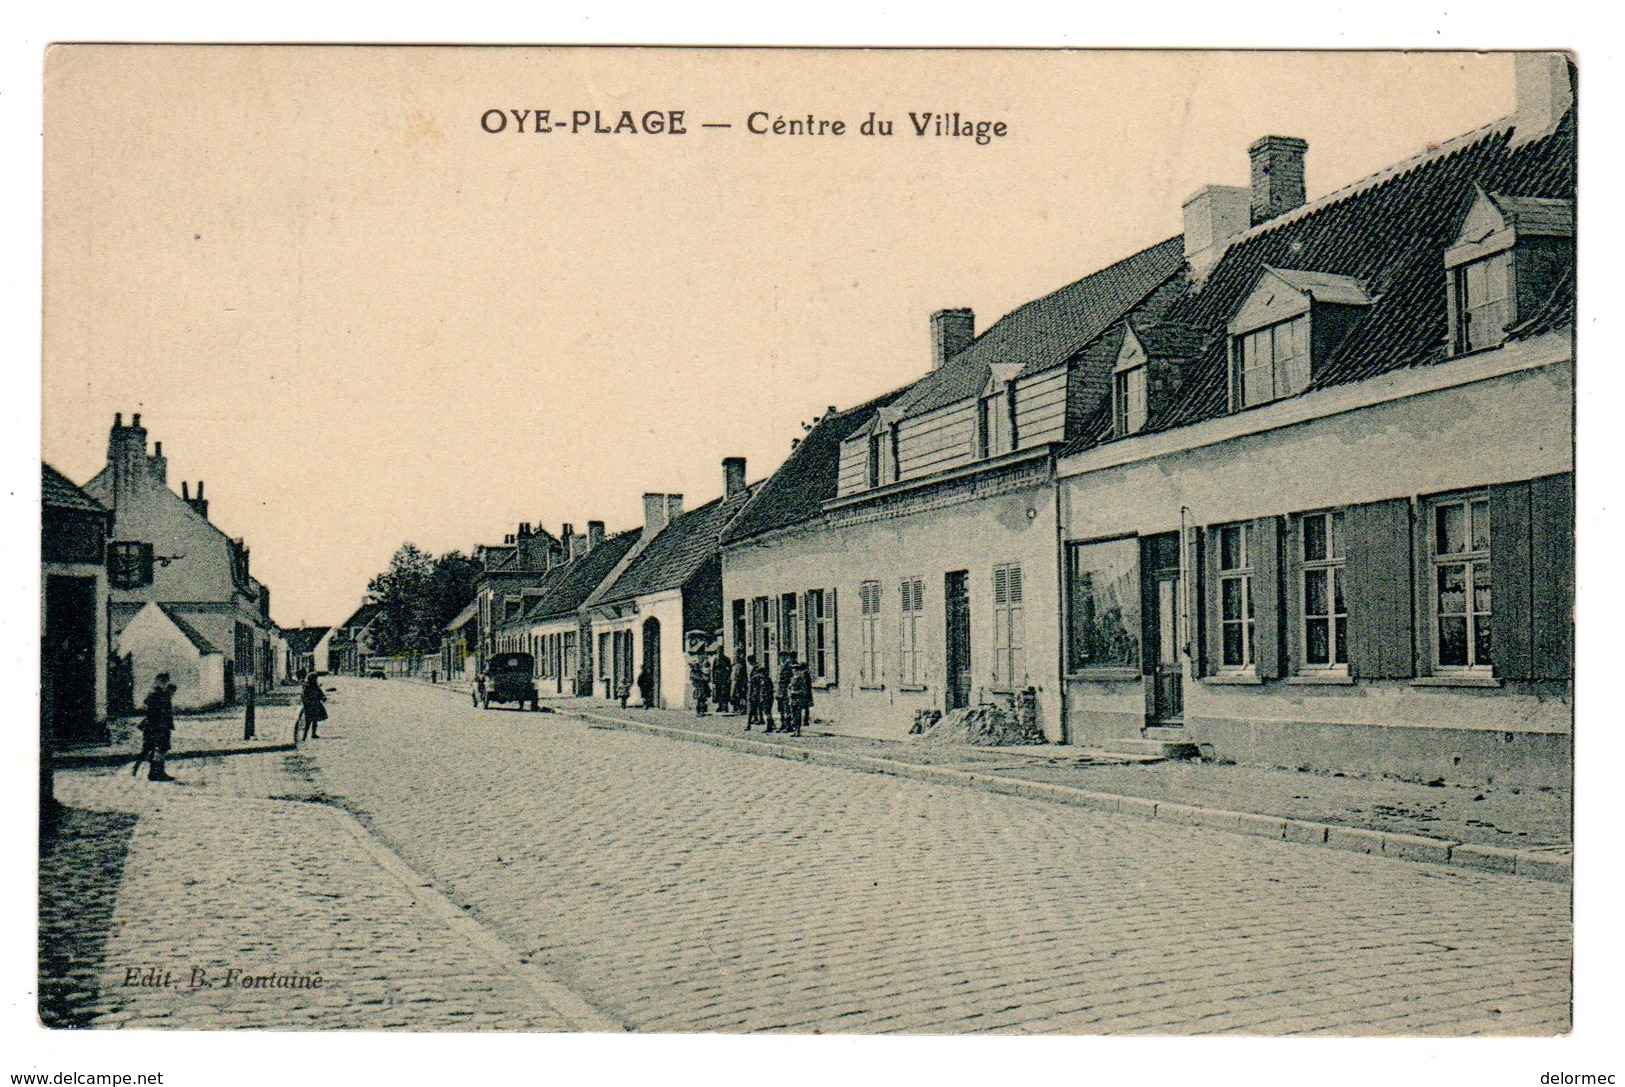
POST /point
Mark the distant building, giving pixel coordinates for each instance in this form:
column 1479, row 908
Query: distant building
column 350, row 644
column 557, row 628
column 201, row 575
column 511, row 581
column 306, row 650
column 668, row 598
column 73, row 612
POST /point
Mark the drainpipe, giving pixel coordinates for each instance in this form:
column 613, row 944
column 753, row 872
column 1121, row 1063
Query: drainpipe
column 1064, row 597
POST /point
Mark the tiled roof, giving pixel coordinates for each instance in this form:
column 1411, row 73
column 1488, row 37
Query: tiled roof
column 679, row 550
column 60, row 492
column 363, row 615
column 582, row 575
column 1389, row 234
column 808, row 477
column 304, row 639
column 199, row 642
column 464, row 616
column 1048, row 331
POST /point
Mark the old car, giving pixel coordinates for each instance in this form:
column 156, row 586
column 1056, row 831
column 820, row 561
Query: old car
column 510, row 677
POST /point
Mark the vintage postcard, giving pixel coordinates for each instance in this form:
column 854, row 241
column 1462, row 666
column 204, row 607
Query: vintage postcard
column 808, row 541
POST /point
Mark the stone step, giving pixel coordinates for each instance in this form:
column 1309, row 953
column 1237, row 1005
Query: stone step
column 1166, row 749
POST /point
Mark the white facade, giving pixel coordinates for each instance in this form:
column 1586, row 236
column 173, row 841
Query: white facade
column 156, row 644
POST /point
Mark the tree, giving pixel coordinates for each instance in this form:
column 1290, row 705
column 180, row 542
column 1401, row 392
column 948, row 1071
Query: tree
column 399, row 593
column 417, row 596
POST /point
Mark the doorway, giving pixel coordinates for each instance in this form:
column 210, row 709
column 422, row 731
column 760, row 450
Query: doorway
column 651, row 656
column 1165, row 697
column 956, row 597
column 68, row 658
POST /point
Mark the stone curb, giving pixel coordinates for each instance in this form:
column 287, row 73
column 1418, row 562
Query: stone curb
column 1551, row 868
column 114, row 758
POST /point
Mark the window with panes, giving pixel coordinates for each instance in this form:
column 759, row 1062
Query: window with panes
column 1461, row 583
column 1270, row 363
column 1130, row 400
column 869, row 633
column 911, row 597
column 789, row 640
column 1009, row 627
column 1484, row 302
column 1235, row 569
column 1324, row 629
column 820, row 635
column 762, row 626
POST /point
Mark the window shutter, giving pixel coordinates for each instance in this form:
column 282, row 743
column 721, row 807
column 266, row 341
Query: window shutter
column 1212, row 629
column 1511, row 591
column 1551, row 555
column 1001, row 585
column 1266, row 558
column 834, row 636
column 804, row 650
column 1013, row 582
column 1377, row 540
column 772, row 631
column 1291, row 595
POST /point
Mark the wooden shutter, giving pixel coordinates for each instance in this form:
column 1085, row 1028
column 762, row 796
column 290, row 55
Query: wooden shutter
column 1266, row 559
column 1377, row 588
column 1292, row 593
column 1551, row 555
column 1511, row 594
column 834, row 636
column 1212, row 626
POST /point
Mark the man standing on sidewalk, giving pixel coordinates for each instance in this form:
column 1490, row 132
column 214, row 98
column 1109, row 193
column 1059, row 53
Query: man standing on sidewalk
column 722, row 681
column 157, row 727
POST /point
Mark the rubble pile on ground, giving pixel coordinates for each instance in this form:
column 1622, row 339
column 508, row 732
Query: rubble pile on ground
column 984, row 726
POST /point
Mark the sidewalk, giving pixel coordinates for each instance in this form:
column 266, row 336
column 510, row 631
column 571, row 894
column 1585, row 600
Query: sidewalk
column 214, row 732
column 208, row 905
column 1499, row 828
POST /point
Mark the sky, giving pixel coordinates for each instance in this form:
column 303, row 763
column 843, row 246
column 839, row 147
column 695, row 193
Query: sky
column 362, row 318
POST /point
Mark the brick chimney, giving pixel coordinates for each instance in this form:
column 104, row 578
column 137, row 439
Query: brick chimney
column 595, row 534
column 199, row 504
column 733, row 476
column 158, row 464
column 674, row 507
column 568, row 537
column 127, row 457
column 654, row 515
column 1213, row 216
column 1544, row 92
column 1277, row 178
column 952, row 330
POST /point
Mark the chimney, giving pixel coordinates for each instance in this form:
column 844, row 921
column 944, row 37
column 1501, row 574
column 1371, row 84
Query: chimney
column 567, row 537
column 508, row 539
column 198, row 502
column 733, row 476
column 654, row 515
column 1545, row 91
column 1277, row 176
column 127, row 457
column 952, row 330
column 534, row 553
column 674, row 507
column 1213, row 216
column 595, row 534
column 158, row 464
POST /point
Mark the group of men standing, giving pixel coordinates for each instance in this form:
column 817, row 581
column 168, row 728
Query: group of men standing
column 747, row 686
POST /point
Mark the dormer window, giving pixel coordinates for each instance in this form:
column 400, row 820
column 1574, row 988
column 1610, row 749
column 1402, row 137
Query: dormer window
column 1509, row 255
column 1130, row 406
column 996, row 412
column 1272, row 363
column 1286, row 329
column 883, row 461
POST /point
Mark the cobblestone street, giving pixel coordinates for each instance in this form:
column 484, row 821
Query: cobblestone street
column 678, row 887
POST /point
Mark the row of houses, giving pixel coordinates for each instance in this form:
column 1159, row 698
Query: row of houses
column 137, row 580
column 1295, row 486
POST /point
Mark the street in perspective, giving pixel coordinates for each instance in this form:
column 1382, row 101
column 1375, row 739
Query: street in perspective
column 748, row 634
